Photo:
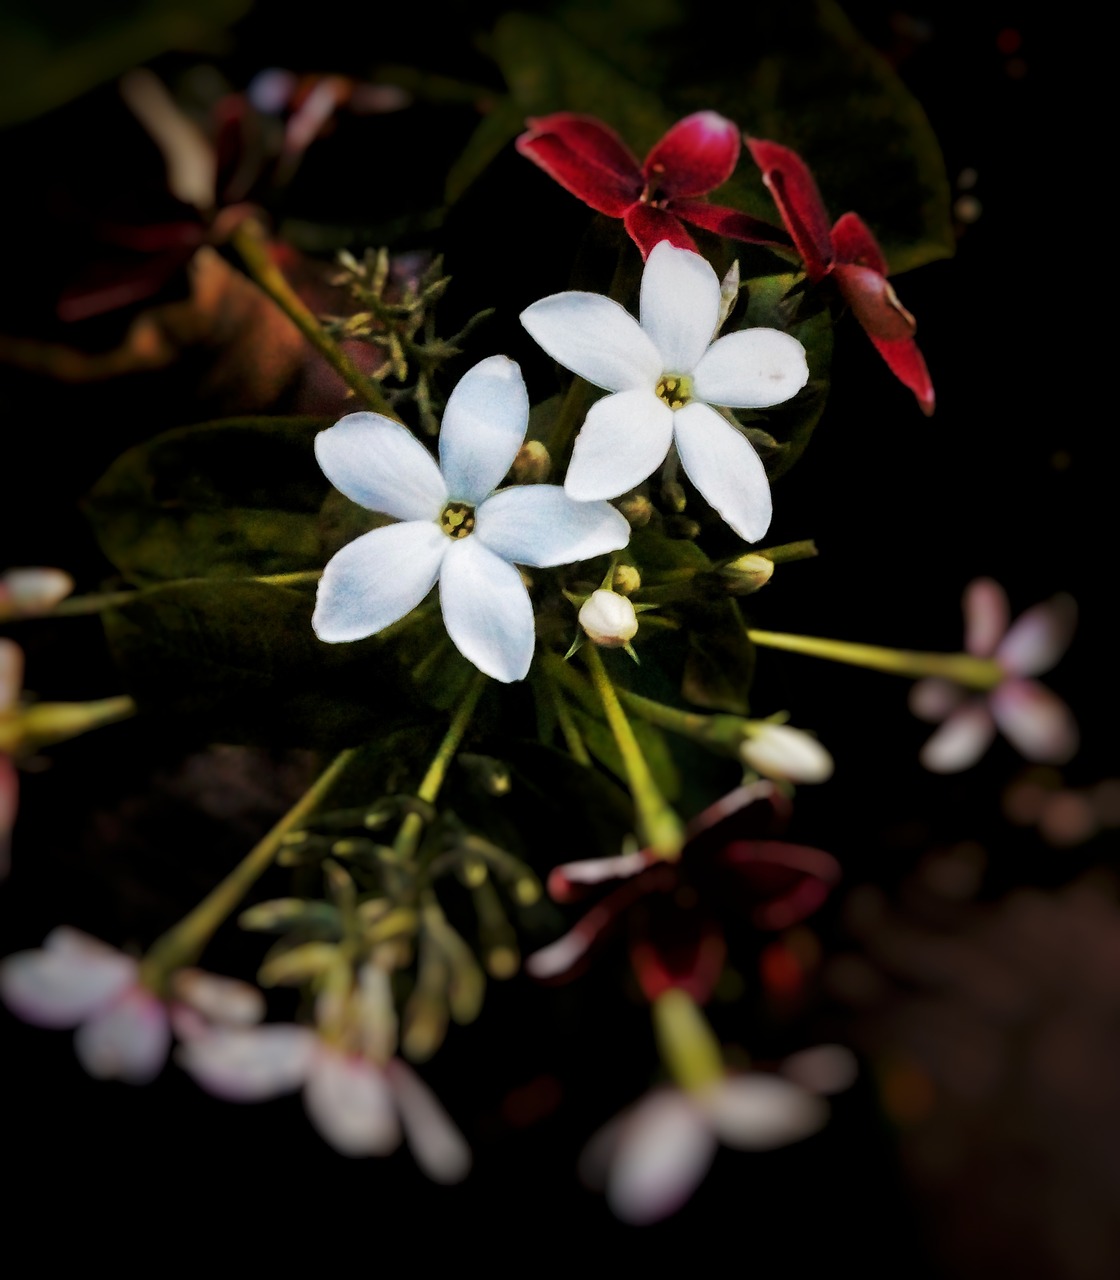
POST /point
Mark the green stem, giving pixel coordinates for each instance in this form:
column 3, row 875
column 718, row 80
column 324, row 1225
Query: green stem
column 659, row 828
column 719, row 732
column 184, row 943
column 961, row 668
column 572, row 736
column 78, row 606
column 806, row 549
column 251, row 243
column 43, row 724
column 408, row 837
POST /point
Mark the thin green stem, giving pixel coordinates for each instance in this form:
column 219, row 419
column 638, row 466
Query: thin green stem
column 251, row 243
column 805, row 549
column 658, row 826
column 408, row 837
column 962, row 668
column 572, row 736
column 184, row 943
column 78, row 606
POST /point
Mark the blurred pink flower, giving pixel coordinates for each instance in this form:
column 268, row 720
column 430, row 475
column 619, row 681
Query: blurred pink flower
column 656, row 198
column 358, row 1106
column 123, row 1028
column 1035, row 721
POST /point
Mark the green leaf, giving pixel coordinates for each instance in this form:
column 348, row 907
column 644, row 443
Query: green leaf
column 234, row 498
column 654, row 552
column 719, row 664
column 242, row 656
column 601, row 745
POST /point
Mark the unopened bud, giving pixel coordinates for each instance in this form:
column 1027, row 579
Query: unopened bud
column 532, row 463
column 637, row 509
column 27, row 592
column 790, row 755
column 673, row 496
column 609, row 619
column 728, row 293
column 228, row 1001
column 746, row 574
column 626, row 579
column 290, row 968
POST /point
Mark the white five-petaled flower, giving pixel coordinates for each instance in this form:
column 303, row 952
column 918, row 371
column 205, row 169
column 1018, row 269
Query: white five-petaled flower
column 1034, row 720
column 123, row 1028
column 666, row 373
column 651, row 1157
column 358, row 1106
column 453, row 527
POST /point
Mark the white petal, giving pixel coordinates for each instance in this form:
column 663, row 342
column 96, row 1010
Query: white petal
column 824, row 1068
column 679, row 305
column 986, row 615
column 559, row 956
column 624, row 438
column 1036, row 722
column 349, row 1102
column 759, row 1112
column 437, row 1145
column 487, row 610
column 129, row 1041
column 483, row 427
column 380, row 464
column 596, row 338
column 961, row 740
column 722, row 464
column 663, row 1153
column 71, row 978
column 751, row 369
column 11, row 672
column 377, row 579
column 34, row 590
column 788, row 754
column 1039, row 637
column 248, row 1064
column 220, row 999
column 541, row 526
column 933, row 699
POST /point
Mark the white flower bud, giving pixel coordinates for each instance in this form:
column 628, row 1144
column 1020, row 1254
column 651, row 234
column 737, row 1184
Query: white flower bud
column 747, row 574
column 790, row 755
column 608, row 618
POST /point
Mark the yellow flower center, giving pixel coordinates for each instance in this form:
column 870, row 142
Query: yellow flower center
column 675, row 389
column 457, row 519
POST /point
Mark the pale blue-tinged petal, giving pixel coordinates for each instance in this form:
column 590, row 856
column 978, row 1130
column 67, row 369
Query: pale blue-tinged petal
column 624, row 438
column 758, row 1112
column 679, row 305
column 751, row 369
column 1039, row 637
column 483, row 427
column 1036, row 722
column 249, row 1064
column 540, row 525
column 439, row 1148
column 721, row 462
column 381, row 465
column 72, row 977
column 349, row 1102
column 596, row 338
column 933, row 699
column 487, row 610
column 986, row 615
column 128, row 1041
column 961, row 740
column 377, row 579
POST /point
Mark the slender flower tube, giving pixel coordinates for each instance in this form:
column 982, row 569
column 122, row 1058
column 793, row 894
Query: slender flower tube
column 1035, row 721
column 848, row 254
column 656, row 198
column 665, row 373
column 453, row 527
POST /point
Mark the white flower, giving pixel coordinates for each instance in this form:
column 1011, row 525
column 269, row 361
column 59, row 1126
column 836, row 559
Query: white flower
column 666, row 373
column 123, row 1029
column 1034, row 720
column 357, row 1106
column 788, row 754
column 453, row 528
column 608, row 618
column 652, row 1157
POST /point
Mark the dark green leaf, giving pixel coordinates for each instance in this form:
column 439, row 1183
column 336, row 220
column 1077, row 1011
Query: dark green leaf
column 719, row 665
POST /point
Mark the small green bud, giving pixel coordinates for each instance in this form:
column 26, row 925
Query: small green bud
column 746, row 574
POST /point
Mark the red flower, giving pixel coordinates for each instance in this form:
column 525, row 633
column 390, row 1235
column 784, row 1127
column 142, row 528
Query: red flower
column 697, row 155
column 849, row 254
column 673, row 909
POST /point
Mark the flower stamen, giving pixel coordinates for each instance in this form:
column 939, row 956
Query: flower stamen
column 675, row 389
column 457, row 519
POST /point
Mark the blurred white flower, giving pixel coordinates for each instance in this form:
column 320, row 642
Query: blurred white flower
column 787, row 754
column 453, row 527
column 358, row 1106
column 666, row 373
column 1035, row 721
column 123, row 1028
column 653, row 1156
column 25, row 593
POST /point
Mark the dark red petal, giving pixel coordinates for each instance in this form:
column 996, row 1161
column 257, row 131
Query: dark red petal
column 649, row 226
column 729, row 222
column 697, row 155
column 585, row 157
column 874, row 303
column 853, row 242
column 747, row 813
column 681, row 950
column 799, row 202
column 780, row 884
column 909, row 368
